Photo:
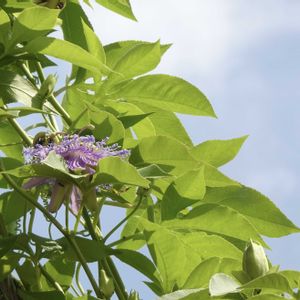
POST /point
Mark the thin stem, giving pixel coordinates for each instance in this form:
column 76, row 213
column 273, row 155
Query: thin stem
column 124, row 239
column 60, row 110
column 106, row 262
column 39, row 70
column 28, row 74
column 54, row 283
column 125, row 219
column 70, row 239
column 77, row 272
column 27, row 140
column 118, row 204
column 31, row 220
column 75, row 290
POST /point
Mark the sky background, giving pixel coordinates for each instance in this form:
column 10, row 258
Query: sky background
column 245, row 56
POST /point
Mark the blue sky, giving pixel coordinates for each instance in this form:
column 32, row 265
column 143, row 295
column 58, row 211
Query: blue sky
column 245, row 56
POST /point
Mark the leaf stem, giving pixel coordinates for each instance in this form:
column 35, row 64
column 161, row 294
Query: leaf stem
column 125, row 219
column 27, row 140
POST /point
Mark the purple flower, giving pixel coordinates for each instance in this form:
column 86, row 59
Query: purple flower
column 80, row 153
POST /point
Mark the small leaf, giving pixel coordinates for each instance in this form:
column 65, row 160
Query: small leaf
column 222, row 284
column 169, row 154
column 14, row 88
column 153, row 171
column 121, row 7
column 32, row 23
column 168, row 93
column 257, row 208
column 115, row 170
column 67, row 51
column 218, row 152
column 274, row 281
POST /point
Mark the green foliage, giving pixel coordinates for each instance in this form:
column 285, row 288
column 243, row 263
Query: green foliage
column 194, row 221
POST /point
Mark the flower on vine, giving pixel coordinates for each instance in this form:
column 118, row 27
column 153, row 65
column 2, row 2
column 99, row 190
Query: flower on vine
column 81, row 155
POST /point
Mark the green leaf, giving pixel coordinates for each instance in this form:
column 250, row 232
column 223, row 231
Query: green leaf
column 222, row 284
column 176, row 254
column 168, row 93
column 7, row 264
column 184, row 191
column 31, row 23
column 10, row 141
column 169, row 154
column 61, row 271
column 93, row 250
column 66, row 51
column 115, row 170
column 218, row 152
column 267, row 297
column 13, row 206
column 42, row 295
column 190, row 294
column 5, row 30
column 273, row 281
column 121, row 7
column 138, row 261
column 14, row 88
column 83, row 114
column 152, row 171
column 166, row 123
column 226, row 221
column 201, row 275
column 116, row 51
column 293, row 277
column 215, row 178
column 138, row 60
column 258, row 209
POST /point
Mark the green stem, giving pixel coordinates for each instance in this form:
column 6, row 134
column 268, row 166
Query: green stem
column 125, row 219
column 70, row 239
column 107, row 262
column 125, row 238
column 28, row 74
column 31, row 220
column 60, row 109
column 77, row 272
column 118, row 204
column 27, row 140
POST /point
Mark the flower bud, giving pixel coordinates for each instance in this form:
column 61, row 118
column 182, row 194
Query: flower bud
column 134, row 295
column 255, row 262
column 106, row 284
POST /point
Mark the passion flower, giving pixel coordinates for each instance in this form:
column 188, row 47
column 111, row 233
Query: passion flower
column 81, row 155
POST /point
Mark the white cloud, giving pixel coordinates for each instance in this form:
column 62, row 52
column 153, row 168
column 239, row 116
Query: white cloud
column 206, row 34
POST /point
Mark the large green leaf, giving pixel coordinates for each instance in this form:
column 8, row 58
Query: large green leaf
column 216, row 219
column 121, row 7
column 189, row 294
column 138, row 60
column 115, row 170
column 67, row 51
column 8, row 263
column 218, row 152
column 116, row 51
column 10, row 141
column 91, row 249
column 272, row 281
column 205, row 270
column 166, row 123
column 167, row 93
column 184, row 191
column 5, row 30
column 258, row 209
column 176, row 254
column 13, row 206
column 14, row 88
column 32, row 23
column 42, row 295
column 139, row 262
column 167, row 153
column 60, row 270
